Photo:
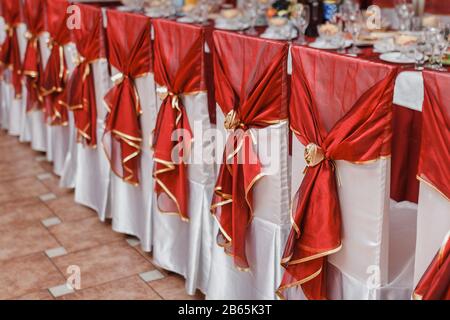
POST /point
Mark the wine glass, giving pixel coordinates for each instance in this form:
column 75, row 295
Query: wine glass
column 441, row 48
column 300, row 17
column 420, row 52
column 203, row 12
column 354, row 26
column 405, row 13
column 251, row 9
column 431, row 35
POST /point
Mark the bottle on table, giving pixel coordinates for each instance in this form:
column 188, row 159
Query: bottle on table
column 316, row 18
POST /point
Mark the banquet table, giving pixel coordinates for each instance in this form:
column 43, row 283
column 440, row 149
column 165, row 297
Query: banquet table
column 408, row 99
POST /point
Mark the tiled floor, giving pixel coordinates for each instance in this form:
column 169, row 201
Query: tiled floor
column 45, row 238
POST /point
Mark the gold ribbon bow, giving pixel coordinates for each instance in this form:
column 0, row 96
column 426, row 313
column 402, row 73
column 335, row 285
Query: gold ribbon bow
column 313, row 155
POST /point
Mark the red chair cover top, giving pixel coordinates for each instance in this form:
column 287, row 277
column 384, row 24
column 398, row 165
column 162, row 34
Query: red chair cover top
column 56, row 23
column 9, row 50
column 79, row 95
column 34, row 16
column 55, row 73
column 130, row 52
column 251, row 89
column 434, row 166
column 32, row 65
column 435, row 283
column 180, row 68
column 341, row 109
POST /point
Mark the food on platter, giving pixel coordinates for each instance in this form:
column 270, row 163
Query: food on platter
column 328, row 30
column 229, row 13
column 278, row 21
column 405, row 40
column 430, row 21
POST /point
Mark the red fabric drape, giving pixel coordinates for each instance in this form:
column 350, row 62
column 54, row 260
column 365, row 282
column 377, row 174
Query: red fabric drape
column 32, row 65
column 9, row 50
column 251, row 89
column 407, row 128
column 434, row 166
column 341, row 109
column 79, row 95
column 179, row 67
column 55, row 72
column 435, row 283
column 130, row 52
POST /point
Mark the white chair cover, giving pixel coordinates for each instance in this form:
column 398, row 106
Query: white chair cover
column 16, row 107
column 433, row 223
column 185, row 247
column 60, row 139
column 268, row 231
column 93, row 176
column 3, row 91
column 25, row 130
column 130, row 206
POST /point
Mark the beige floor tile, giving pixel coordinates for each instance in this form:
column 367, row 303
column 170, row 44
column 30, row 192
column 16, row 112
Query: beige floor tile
column 38, row 295
column 52, row 184
column 23, row 241
column 131, row 288
column 172, row 288
column 83, row 234
column 23, row 188
column 26, row 275
column 105, row 263
column 23, row 213
column 18, row 169
column 67, row 210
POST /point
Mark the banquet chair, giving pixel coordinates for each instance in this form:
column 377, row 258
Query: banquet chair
column 87, row 168
column 129, row 122
column 32, row 72
column 182, row 239
column 251, row 199
column 353, row 243
column 3, row 87
column 433, row 220
column 58, row 53
column 11, row 60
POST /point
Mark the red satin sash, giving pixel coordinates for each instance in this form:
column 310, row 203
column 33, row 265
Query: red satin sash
column 362, row 134
column 435, row 283
column 130, row 53
column 179, row 61
column 250, row 97
column 55, row 73
column 9, row 50
column 32, row 65
column 79, row 95
column 434, row 158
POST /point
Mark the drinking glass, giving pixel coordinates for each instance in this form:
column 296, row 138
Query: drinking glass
column 354, row 26
column 301, row 15
column 251, row 10
column 441, row 47
column 431, row 35
column 405, row 13
column 420, row 52
column 203, row 12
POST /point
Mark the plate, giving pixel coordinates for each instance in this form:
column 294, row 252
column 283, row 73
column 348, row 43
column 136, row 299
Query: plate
column 320, row 44
column 232, row 27
column 273, row 36
column 396, row 57
column 186, row 19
